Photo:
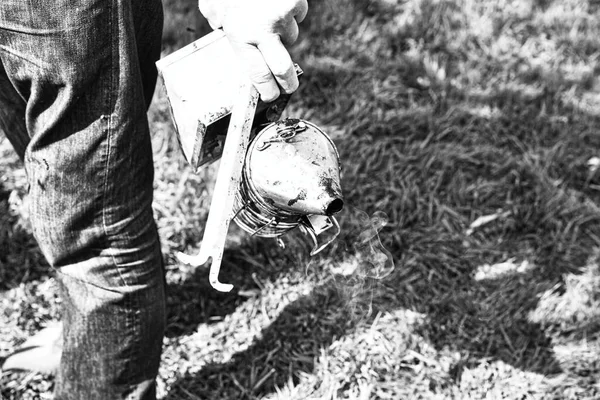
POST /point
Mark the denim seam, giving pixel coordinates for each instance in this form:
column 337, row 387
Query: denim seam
column 109, row 130
column 32, row 31
column 135, row 297
column 114, row 61
column 23, row 57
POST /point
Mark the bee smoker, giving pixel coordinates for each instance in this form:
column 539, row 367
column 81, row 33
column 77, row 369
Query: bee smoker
column 274, row 176
column 290, row 179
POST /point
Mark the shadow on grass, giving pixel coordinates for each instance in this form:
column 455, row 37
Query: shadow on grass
column 21, row 260
column 462, row 315
column 489, row 320
column 194, row 301
column 288, row 347
column 549, row 229
column 434, row 170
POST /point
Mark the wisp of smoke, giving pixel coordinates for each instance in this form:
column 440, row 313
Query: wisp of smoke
column 359, row 260
column 374, row 260
column 362, row 253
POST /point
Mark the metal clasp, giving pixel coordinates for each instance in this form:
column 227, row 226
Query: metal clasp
column 285, row 131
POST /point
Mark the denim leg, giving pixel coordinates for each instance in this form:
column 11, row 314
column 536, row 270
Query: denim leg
column 81, row 74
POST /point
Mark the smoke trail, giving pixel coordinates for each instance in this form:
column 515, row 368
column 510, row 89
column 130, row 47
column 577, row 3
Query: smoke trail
column 360, row 251
column 375, row 261
column 358, row 261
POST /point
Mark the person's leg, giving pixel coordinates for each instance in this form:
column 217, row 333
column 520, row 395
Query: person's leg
column 89, row 166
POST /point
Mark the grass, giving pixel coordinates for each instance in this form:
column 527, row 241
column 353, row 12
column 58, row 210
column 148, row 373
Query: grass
column 472, row 128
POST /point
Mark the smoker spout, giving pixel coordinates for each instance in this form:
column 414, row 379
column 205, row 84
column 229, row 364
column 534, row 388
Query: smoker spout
column 335, row 206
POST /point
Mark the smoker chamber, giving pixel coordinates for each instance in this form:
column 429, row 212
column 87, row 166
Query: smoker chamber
column 290, row 179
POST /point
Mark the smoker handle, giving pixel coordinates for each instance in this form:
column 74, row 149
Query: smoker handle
column 226, row 186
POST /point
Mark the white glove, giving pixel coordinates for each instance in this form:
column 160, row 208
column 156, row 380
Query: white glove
column 258, row 31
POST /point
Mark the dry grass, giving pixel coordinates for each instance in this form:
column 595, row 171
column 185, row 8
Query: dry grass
column 473, row 127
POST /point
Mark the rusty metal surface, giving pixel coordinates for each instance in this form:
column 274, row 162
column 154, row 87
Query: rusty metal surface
column 294, row 166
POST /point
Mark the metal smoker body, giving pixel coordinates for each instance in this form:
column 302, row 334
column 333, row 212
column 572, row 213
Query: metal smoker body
column 287, row 176
column 290, row 179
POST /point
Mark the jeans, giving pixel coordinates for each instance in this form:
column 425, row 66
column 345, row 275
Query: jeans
column 76, row 77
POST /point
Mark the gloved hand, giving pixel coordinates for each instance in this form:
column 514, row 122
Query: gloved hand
column 258, row 31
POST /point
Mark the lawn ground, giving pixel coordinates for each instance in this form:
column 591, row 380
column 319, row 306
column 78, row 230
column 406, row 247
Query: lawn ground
column 469, row 137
